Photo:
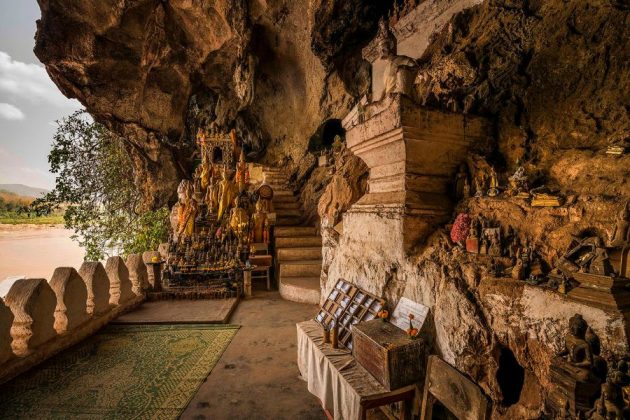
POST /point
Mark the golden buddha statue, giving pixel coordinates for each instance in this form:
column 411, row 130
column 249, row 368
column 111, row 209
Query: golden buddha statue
column 239, row 219
column 206, row 171
column 493, row 189
column 187, row 213
column 227, row 191
column 260, row 224
column 242, row 174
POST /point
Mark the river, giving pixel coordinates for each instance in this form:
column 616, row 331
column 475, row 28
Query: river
column 35, row 251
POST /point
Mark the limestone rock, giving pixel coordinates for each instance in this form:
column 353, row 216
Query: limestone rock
column 72, row 295
column 97, row 283
column 33, row 303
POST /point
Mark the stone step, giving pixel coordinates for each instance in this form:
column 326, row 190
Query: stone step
column 284, row 198
column 286, row 205
column 298, row 242
column 288, row 212
column 293, row 231
column 280, row 193
column 300, row 289
column 301, row 268
column 288, row 221
column 299, row 254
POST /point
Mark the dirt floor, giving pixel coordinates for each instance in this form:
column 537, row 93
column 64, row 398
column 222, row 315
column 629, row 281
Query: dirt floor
column 257, row 376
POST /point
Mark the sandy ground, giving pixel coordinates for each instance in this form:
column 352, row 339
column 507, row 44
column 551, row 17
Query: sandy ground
column 36, row 250
column 257, row 376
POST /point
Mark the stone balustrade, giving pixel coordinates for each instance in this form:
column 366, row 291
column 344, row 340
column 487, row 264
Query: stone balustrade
column 39, row 318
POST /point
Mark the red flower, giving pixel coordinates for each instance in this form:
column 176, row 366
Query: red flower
column 459, row 231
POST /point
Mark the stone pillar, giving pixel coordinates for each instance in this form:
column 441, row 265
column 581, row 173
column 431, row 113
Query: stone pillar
column 97, row 284
column 119, row 284
column 412, row 153
column 137, row 274
column 154, row 271
column 6, row 321
column 33, row 303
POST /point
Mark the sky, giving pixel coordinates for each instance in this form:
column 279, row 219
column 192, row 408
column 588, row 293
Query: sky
column 30, row 102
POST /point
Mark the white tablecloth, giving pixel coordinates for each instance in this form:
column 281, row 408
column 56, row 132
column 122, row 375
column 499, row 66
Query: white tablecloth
column 333, row 375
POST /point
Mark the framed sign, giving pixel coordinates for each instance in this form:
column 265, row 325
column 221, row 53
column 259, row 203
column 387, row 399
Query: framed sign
column 400, row 316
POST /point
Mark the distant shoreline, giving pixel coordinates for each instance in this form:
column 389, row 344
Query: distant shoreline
column 11, row 227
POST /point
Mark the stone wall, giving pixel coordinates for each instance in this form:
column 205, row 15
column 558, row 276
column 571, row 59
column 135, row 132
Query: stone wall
column 38, row 318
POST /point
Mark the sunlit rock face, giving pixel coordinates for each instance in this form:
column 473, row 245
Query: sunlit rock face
column 153, row 70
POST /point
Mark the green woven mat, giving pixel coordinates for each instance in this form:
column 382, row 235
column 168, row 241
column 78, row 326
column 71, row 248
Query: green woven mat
column 123, row 372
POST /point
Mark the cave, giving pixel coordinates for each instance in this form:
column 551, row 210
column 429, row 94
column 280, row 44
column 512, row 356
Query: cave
column 510, row 377
column 325, row 136
column 479, row 194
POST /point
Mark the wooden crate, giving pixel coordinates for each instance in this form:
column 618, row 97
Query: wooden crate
column 384, row 350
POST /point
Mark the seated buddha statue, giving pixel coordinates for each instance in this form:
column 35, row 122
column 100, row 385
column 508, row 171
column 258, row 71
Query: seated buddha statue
column 260, row 224
column 239, row 219
column 226, row 193
column 577, row 350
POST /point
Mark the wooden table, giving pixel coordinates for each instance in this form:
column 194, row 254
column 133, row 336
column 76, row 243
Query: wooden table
column 343, row 386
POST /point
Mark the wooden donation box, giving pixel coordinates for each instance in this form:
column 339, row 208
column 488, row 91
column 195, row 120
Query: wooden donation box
column 388, row 354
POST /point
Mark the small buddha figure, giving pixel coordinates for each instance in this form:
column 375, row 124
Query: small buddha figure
column 461, row 180
column 518, row 184
column 493, row 189
column 621, row 234
column 242, row 174
column 480, row 183
column 397, row 77
column 226, row 193
column 337, row 145
column 260, row 225
column 466, row 190
column 495, row 246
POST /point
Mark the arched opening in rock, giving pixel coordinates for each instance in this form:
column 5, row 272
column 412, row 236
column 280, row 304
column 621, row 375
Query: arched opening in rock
column 217, row 155
column 325, row 135
column 510, row 377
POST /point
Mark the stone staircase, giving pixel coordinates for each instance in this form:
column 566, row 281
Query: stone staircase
column 298, row 247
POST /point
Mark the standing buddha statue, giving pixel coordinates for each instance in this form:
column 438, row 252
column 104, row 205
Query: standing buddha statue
column 260, row 224
column 239, row 220
column 242, row 174
column 227, row 191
